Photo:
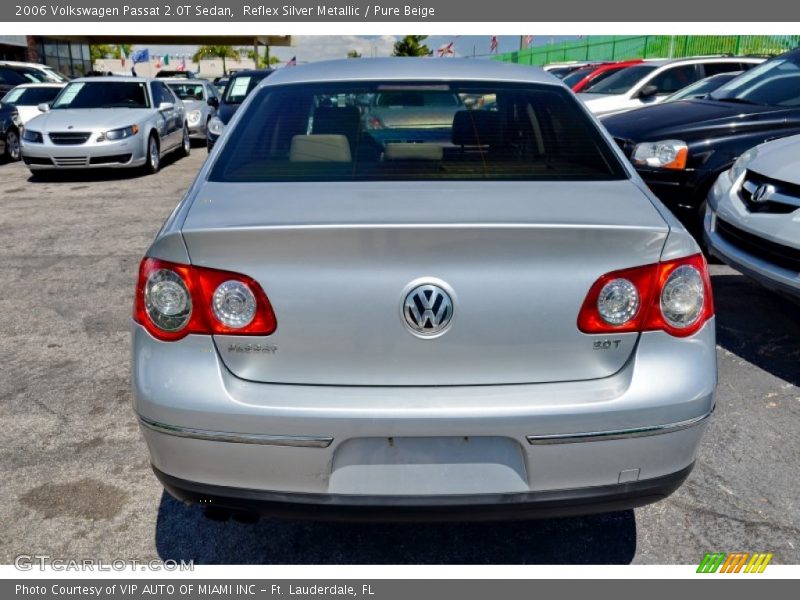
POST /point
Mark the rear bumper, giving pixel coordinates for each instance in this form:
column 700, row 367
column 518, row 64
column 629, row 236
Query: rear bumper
column 546, row 504
column 532, row 444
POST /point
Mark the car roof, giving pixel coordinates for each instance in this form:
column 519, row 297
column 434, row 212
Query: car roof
column 410, row 69
column 43, row 84
column 249, row 73
column 184, row 80
column 19, row 63
column 115, row 79
column 701, row 59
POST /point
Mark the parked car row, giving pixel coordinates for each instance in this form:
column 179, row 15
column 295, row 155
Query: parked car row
column 685, row 145
column 725, row 163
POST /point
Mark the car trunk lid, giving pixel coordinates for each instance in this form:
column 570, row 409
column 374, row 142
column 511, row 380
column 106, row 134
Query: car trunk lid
column 336, row 261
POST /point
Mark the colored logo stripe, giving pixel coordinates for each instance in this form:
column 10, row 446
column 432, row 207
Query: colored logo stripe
column 735, row 562
column 711, row 562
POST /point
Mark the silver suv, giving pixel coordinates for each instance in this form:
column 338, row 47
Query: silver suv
column 494, row 318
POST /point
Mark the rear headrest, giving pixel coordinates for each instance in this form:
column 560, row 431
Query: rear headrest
column 476, row 128
column 320, row 148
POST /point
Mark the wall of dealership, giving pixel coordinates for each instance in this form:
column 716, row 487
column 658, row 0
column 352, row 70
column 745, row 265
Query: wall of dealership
column 70, row 58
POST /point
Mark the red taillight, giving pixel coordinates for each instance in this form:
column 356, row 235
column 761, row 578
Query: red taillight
column 174, row 300
column 667, row 293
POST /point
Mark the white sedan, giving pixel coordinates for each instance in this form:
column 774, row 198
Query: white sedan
column 28, row 96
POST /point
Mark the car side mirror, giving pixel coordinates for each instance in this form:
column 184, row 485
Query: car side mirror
column 647, row 91
column 166, row 106
column 212, row 101
column 43, row 107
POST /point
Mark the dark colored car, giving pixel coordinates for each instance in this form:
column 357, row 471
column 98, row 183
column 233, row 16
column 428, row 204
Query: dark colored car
column 680, row 148
column 163, row 74
column 9, row 132
column 239, row 86
column 13, row 75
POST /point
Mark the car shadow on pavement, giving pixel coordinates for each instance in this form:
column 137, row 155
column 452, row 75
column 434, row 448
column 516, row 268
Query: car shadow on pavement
column 758, row 325
column 183, row 533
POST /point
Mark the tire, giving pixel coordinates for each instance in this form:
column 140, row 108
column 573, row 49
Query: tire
column 186, row 144
column 12, row 152
column 153, row 157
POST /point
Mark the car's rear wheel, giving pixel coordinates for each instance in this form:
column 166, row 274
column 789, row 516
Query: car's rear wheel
column 12, row 152
column 153, row 162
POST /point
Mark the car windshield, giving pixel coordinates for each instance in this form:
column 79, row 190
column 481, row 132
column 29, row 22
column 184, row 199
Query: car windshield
column 577, row 75
column 773, row 83
column 54, row 76
column 103, row 94
column 32, row 96
column 621, row 81
column 326, row 132
column 561, row 72
column 239, row 87
column 188, row 91
column 701, row 88
column 17, row 75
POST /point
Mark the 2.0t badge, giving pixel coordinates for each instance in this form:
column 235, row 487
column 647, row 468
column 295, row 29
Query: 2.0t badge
column 428, row 310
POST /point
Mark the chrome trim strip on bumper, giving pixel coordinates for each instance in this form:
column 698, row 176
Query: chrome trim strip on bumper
column 616, row 434
column 237, row 438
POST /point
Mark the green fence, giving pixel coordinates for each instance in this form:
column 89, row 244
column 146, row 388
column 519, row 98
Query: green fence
column 618, row 47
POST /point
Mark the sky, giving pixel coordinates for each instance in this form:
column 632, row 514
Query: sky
column 308, row 48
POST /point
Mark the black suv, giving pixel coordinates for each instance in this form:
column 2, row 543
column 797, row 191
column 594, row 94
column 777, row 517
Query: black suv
column 13, row 75
column 680, row 148
column 237, row 89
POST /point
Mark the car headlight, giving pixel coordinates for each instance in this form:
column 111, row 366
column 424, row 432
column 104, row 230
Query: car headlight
column 119, row 134
column 193, row 117
column 741, row 164
column 666, row 154
column 32, row 137
column 216, row 126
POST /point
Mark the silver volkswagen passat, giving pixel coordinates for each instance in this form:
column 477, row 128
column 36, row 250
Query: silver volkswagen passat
column 107, row 122
column 501, row 322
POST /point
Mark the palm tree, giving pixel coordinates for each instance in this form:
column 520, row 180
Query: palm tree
column 222, row 52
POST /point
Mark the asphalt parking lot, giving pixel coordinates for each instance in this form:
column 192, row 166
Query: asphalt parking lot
column 74, row 470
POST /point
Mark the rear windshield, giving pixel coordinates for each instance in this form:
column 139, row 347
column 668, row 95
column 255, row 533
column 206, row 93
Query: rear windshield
column 411, row 131
column 240, row 86
column 621, row 81
column 188, row 91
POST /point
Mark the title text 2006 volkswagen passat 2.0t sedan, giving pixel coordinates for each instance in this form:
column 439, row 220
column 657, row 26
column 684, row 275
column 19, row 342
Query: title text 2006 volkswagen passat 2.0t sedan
column 492, row 319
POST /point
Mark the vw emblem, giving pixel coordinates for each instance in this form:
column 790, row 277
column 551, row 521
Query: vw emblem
column 763, row 193
column 427, row 310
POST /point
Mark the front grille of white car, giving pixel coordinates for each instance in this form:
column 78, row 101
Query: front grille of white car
column 69, row 138
column 783, row 198
column 70, row 161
